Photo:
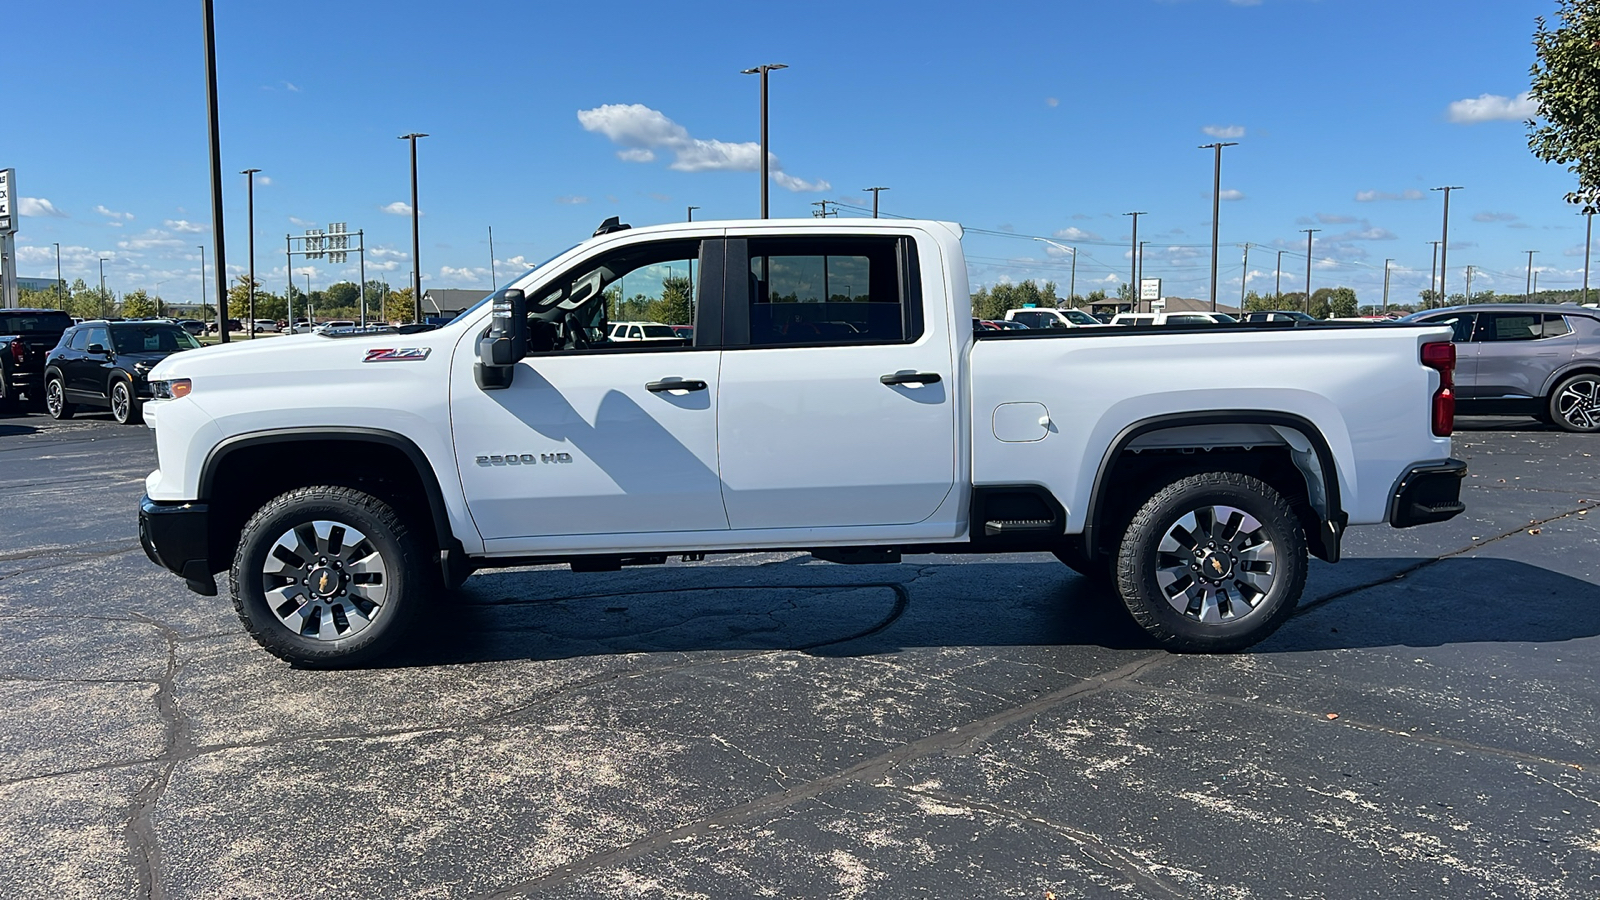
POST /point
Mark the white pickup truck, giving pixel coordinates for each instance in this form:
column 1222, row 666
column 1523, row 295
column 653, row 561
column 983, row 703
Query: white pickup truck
column 833, row 399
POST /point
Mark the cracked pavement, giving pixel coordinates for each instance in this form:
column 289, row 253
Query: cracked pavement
column 770, row 725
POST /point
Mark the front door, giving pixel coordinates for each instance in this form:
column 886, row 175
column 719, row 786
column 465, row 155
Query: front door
column 595, row 436
column 838, row 402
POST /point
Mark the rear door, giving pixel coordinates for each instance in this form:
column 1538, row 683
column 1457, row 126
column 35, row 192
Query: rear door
column 85, row 373
column 838, row 404
column 1517, row 351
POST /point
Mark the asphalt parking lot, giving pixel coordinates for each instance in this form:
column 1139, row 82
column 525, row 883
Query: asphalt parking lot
column 770, row 725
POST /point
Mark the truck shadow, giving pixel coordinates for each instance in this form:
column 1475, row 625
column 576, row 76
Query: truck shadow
column 821, row 609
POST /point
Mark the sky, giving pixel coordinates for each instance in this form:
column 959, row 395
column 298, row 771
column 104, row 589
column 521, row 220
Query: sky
column 1018, row 120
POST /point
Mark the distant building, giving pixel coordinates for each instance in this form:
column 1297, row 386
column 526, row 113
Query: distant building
column 449, row 303
column 38, row 284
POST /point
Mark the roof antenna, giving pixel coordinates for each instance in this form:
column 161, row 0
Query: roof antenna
column 612, row 224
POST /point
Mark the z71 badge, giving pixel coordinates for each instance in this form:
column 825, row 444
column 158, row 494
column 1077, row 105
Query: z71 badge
column 405, row 354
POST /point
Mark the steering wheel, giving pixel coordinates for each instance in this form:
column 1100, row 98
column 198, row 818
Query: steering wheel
column 575, row 332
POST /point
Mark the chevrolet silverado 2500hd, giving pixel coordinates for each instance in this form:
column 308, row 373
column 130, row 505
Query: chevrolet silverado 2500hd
column 833, row 398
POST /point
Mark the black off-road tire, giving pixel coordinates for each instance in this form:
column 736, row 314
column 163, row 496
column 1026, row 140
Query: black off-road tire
column 1138, row 561
column 55, row 399
column 411, row 583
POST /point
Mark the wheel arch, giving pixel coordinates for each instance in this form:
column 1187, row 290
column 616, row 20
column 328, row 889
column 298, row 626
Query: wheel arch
column 1326, row 520
column 1576, row 367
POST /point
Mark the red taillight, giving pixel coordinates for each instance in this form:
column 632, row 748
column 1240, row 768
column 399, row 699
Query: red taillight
column 18, row 351
column 1441, row 357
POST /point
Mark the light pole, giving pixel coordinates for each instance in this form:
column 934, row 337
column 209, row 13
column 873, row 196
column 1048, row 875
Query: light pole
column 202, row 248
column 1444, row 239
column 1139, row 279
column 1216, row 211
column 1469, row 285
column 1133, row 263
column 61, row 299
column 1244, row 280
column 416, row 243
column 690, row 211
column 493, row 283
column 875, row 192
column 1277, row 289
column 1588, row 241
column 762, row 70
column 250, row 207
column 158, row 299
column 1310, row 232
column 103, row 282
column 1433, row 277
column 1386, row 284
column 1527, row 292
column 1072, row 282
column 216, row 168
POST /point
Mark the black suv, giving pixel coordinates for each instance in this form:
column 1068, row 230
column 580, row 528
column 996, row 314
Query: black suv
column 104, row 364
column 26, row 335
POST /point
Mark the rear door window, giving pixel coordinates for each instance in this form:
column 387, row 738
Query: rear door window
column 831, row 290
column 1555, row 326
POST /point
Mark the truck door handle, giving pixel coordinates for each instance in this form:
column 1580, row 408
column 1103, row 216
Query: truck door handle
column 910, row 378
column 657, row 387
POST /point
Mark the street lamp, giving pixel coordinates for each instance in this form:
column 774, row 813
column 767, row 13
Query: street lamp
column 1527, row 293
column 1588, row 240
column 103, row 282
column 220, row 329
column 416, row 244
column 1309, row 233
column 691, row 213
column 1216, row 212
column 1133, row 264
column 216, row 167
column 762, row 70
column 250, row 206
column 1072, row 283
column 61, row 299
column 1444, row 240
column 875, row 192
column 1278, row 285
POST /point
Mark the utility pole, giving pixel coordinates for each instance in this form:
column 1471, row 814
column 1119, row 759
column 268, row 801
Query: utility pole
column 1243, row 279
column 823, row 214
column 1309, row 233
column 202, row 247
column 250, row 217
column 1133, row 263
column 1278, row 288
column 1139, row 282
column 103, row 282
column 416, row 242
column 875, row 191
column 1386, row 284
column 1433, row 276
column 216, row 171
column 1527, row 293
column 1469, row 285
column 762, row 70
column 1588, row 241
column 1216, row 212
column 62, row 298
column 1444, row 239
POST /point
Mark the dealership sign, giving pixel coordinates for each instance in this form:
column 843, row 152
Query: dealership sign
column 8, row 181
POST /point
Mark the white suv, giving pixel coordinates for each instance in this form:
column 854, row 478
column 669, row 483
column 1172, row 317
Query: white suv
column 642, row 331
column 1053, row 318
column 1179, row 318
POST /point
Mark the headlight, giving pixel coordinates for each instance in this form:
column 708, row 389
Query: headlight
column 171, row 390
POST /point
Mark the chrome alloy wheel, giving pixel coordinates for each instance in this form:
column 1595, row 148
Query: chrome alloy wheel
column 121, row 402
column 1216, row 564
column 1578, row 403
column 324, row 580
column 54, row 398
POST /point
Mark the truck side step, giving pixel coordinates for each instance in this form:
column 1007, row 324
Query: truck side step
column 855, row 556
column 1018, row 526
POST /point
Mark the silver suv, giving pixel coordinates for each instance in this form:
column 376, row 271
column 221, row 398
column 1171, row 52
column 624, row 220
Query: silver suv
column 1526, row 359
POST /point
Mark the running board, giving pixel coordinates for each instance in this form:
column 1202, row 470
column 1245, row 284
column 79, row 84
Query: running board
column 1018, row 526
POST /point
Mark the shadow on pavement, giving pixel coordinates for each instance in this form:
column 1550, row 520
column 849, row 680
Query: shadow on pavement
column 15, row 429
column 839, row 611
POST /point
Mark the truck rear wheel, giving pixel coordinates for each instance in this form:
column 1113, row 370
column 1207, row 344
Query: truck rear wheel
column 329, row 577
column 1212, row 563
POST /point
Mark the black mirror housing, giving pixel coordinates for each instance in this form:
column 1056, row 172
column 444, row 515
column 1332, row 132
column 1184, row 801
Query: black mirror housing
column 506, row 342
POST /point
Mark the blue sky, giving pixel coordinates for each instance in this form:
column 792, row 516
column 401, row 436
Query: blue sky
column 1015, row 119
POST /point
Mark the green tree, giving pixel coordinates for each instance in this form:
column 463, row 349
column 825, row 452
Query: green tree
column 1342, row 303
column 674, row 307
column 138, row 305
column 400, row 307
column 1320, row 302
column 343, row 295
column 239, row 298
column 1429, row 298
column 1565, row 84
column 1254, row 302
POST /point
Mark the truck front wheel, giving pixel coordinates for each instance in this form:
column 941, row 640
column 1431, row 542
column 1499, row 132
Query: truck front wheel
column 329, row 577
column 1212, row 563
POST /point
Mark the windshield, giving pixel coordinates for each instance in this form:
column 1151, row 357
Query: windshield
column 151, row 339
column 1079, row 317
column 659, row 331
column 20, row 323
column 501, row 292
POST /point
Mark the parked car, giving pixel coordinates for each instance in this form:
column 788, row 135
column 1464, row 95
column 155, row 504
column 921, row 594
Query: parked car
column 1052, row 318
column 1522, row 359
column 193, row 326
column 264, row 325
column 1204, row 465
column 1279, row 315
column 641, row 331
column 26, row 336
column 684, row 331
column 104, row 364
column 334, row 323
column 211, row 326
column 1178, row 318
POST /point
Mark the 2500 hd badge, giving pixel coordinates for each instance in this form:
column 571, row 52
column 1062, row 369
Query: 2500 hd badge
column 524, row 459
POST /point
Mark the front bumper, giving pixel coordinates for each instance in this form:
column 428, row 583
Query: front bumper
column 176, row 536
column 1427, row 493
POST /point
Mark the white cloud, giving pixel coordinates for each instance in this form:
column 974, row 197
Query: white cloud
column 573, row 199
column 263, row 180
column 1225, row 132
column 291, row 87
column 112, row 214
column 301, row 222
column 1370, row 196
column 1494, row 108
column 1051, row 102
column 1330, row 219
column 642, row 130
column 1073, row 233
column 519, row 261
column 1365, row 233
column 465, row 273
column 154, row 239
column 1231, row 194
column 40, row 208
column 398, row 208
column 184, row 226
column 1495, row 217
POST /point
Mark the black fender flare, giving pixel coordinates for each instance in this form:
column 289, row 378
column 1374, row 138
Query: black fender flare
column 1324, row 544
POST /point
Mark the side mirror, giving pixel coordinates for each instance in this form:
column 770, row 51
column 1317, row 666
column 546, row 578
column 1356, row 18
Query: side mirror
column 506, row 342
column 97, row 348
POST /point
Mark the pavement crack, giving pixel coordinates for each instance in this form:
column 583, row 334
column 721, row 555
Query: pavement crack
column 139, row 831
column 868, row 771
column 1126, row 863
